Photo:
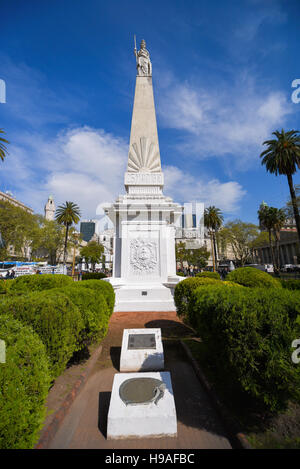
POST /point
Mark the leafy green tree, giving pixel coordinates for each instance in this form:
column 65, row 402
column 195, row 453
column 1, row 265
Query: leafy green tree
column 3, row 149
column 282, row 156
column 198, row 257
column 17, row 227
column 48, row 240
column 181, row 253
column 261, row 240
column 239, row 235
column 92, row 252
column 213, row 220
column 66, row 215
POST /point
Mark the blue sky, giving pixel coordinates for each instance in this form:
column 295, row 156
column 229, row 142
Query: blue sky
column 222, row 75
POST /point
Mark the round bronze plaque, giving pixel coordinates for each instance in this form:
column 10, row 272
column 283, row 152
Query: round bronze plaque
column 136, row 391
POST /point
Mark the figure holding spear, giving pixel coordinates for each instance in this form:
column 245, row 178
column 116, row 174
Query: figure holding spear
column 143, row 63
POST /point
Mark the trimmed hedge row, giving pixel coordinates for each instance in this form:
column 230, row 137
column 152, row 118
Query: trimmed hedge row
column 101, row 286
column 3, row 286
column 54, row 318
column 93, row 308
column 24, row 382
column 291, row 284
column 93, row 276
column 251, row 277
column 39, row 282
column 248, row 334
column 185, row 288
column 207, row 274
column 46, row 327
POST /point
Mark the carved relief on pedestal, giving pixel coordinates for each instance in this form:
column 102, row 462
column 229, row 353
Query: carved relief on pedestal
column 143, row 256
column 144, row 157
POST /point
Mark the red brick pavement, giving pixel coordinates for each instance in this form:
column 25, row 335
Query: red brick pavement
column 198, row 425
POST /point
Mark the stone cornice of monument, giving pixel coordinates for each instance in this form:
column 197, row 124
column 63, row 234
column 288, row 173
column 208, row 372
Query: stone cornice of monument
column 144, row 175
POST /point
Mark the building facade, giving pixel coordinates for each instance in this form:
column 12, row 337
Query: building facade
column 87, row 229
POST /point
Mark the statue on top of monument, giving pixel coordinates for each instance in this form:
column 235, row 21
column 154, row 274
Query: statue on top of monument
column 143, row 63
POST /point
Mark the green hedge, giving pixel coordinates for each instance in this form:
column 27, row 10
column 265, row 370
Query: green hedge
column 93, row 276
column 290, row 284
column 184, row 289
column 56, row 320
column 39, row 282
column 251, row 277
column 24, row 384
column 248, row 333
column 103, row 287
column 3, row 286
column 93, row 308
column 207, row 274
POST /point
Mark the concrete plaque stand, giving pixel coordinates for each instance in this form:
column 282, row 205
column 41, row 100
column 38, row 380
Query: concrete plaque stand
column 143, row 420
column 146, row 359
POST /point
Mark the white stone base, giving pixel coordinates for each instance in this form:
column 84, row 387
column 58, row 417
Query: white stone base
column 140, row 421
column 142, row 359
column 132, row 297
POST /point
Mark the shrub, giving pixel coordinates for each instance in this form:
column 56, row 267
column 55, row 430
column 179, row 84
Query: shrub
column 24, row 384
column 231, row 284
column 3, row 286
column 248, row 334
column 39, row 282
column 291, row 284
column 207, row 274
column 184, row 289
column 102, row 287
column 93, row 308
column 93, row 276
column 251, row 277
column 56, row 320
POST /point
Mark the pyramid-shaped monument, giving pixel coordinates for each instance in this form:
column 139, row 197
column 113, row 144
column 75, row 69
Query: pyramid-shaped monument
column 144, row 264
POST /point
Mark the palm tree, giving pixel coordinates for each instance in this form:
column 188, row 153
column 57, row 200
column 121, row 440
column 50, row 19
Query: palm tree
column 213, row 221
column 266, row 223
column 279, row 220
column 3, row 149
column 272, row 219
column 67, row 214
column 282, row 156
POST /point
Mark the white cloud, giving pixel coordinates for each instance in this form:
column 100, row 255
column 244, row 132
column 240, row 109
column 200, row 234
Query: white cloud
column 82, row 165
column 185, row 187
column 86, row 166
column 226, row 120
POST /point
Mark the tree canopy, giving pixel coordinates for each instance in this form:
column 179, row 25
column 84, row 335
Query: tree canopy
column 92, row 252
column 240, row 236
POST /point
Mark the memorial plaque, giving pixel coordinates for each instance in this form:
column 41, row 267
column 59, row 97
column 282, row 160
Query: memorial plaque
column 142, row 391
column 141, row 341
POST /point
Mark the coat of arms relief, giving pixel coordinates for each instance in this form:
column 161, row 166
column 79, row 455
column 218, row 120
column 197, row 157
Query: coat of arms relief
column 143, row 256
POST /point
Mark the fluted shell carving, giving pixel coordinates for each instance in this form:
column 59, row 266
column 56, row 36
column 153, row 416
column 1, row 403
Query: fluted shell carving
column 144, row 157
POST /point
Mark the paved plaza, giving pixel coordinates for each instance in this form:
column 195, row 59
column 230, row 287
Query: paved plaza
column 85, row 425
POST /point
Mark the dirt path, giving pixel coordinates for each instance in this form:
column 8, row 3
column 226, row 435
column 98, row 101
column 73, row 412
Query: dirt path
column 84, row 426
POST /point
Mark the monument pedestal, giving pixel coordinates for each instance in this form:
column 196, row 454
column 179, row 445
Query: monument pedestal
column 139, row 421
column 143, row 297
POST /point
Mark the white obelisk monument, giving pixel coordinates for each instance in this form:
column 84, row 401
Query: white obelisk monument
column 144, row 266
